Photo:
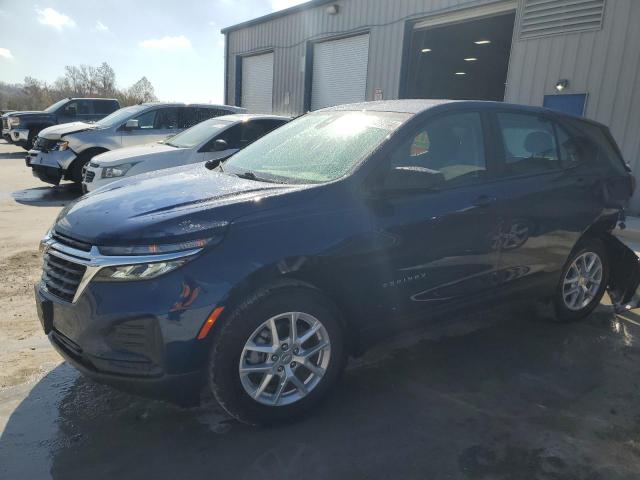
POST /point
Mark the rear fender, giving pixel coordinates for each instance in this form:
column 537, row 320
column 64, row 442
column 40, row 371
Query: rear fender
column 624, row 275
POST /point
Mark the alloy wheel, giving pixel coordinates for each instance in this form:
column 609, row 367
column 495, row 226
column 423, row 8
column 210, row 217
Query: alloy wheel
column 285, row 358
column 582, row 281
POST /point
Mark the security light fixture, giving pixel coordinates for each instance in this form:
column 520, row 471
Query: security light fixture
column 482, row 42
column 470, row 59
column 426, row 50
column 461, row 73
column 562, row 84
column 333, row 9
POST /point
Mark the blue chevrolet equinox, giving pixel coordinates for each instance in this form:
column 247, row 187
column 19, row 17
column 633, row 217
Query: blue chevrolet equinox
column 258, row 277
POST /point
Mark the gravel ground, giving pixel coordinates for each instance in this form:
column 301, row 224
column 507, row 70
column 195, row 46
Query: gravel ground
column 502, row 396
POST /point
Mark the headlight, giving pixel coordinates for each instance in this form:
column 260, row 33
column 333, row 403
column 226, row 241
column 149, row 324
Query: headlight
column 143, row 271
column 62, row 146
column 161, row 248
column 14, row 121
column 117, row 171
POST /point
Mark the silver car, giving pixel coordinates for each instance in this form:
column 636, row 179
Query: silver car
column 62, row 151
column 213, row 140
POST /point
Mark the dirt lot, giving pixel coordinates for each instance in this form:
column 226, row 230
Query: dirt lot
column 505, row 396
column 25, row 215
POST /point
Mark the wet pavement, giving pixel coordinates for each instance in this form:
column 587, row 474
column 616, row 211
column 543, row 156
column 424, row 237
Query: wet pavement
column 510, row 396
column 48, row 196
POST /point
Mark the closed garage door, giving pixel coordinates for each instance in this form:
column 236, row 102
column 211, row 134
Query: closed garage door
column 340, row 71
column 257, row 83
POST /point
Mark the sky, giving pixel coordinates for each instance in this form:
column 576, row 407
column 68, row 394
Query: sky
column 176, row 44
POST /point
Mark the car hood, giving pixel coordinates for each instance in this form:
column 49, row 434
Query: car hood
column 168, row 206
column 137, row 154
column 25, row 113
column 55, row 132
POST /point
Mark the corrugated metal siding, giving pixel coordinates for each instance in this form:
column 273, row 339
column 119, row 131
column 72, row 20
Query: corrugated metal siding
column 605, row 64
column 257, row 83
column 340, row 71
column 551, row 17
column 287, row 36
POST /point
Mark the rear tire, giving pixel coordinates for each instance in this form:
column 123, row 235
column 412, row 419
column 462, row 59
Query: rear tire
column 282, row 389
column 583, row 282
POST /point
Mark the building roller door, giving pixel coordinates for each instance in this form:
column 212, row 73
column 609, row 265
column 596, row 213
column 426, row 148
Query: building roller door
column 257, row 83
column 340, row 71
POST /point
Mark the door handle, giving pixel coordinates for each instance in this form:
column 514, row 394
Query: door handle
column 484, row 201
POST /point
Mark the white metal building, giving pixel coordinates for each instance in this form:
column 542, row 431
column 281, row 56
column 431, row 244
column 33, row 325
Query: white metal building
column 580, row 56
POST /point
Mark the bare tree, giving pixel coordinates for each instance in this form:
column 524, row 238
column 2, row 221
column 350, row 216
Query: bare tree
column 77, row 81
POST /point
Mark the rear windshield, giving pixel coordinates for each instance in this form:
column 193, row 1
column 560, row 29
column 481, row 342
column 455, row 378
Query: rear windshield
column 316, row 148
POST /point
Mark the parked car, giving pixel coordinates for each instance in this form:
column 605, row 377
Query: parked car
column 213, row 140
column 61, row 152
column 259, row 278
column 22, row 128
column 6, row 136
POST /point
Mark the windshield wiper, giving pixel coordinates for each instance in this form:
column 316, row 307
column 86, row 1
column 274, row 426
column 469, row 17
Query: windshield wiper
column 248, row 175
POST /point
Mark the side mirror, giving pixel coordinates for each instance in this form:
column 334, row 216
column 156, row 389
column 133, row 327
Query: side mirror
column 131, row 125
column 211, row 164
column 410, row 178
column 220, row 145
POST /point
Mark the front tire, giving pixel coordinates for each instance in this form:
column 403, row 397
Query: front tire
column 277, row 356
column 75, row 175
column 30, row 140
column 583, row 282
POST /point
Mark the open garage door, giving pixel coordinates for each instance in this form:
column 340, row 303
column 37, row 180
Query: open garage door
column 464, row 57
column 257, row 83
column 340, row 71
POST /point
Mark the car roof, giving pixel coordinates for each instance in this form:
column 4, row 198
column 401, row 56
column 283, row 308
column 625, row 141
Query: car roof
column 199, row 105
column 90, row 98
column 415, row 107
column 242, row 117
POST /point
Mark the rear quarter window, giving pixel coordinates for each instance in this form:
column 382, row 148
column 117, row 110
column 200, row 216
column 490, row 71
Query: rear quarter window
column 596, row 146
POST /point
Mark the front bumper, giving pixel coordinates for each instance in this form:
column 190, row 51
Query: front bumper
column 48, row 166
column 180, row 388
column 19, row 135
column 140, row 336
column 134, row 352
column 92, row 178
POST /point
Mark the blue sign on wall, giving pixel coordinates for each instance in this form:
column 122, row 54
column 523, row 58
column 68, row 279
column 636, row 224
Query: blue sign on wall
column 573, row 103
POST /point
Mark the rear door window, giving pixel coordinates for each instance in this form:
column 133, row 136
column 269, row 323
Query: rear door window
column 104, row 107
column 167, row 119
column 84, row 107
column 529, row 144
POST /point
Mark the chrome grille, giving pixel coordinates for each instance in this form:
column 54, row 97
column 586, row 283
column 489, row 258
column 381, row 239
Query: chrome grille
column 89, row 175
column 71, row 242
column 61, row 277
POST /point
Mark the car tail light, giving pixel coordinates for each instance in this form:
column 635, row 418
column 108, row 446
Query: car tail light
column 634, row 183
